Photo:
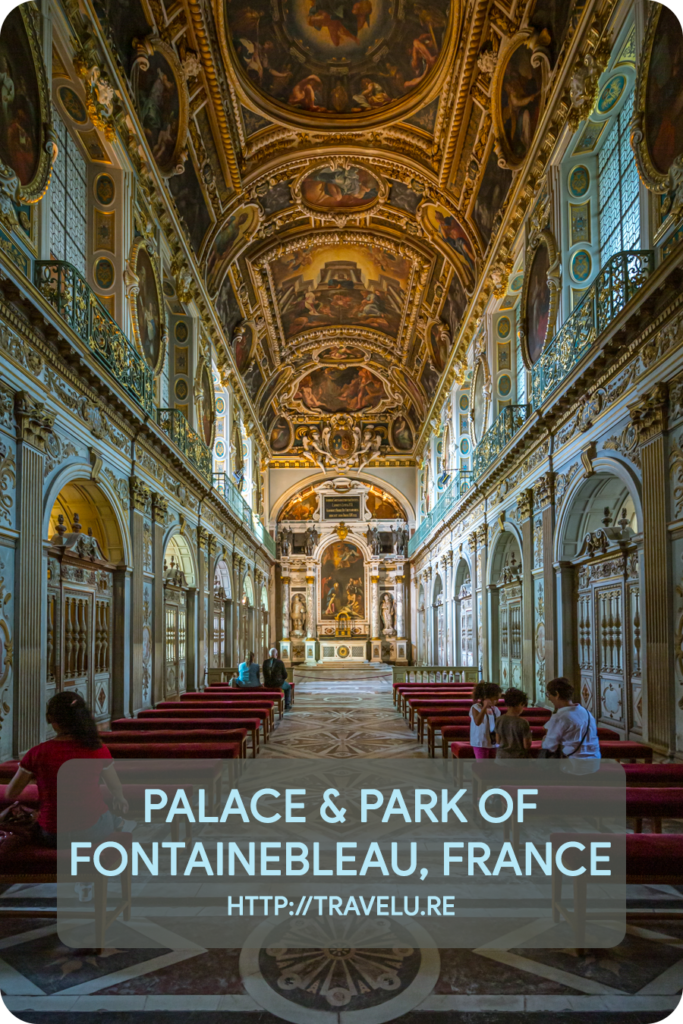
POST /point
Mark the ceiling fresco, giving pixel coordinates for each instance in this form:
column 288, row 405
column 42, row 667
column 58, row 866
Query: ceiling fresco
column 348, row 179
column 340, row 58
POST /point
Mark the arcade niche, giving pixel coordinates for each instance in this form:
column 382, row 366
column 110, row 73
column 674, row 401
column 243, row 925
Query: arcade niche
column 342, row 587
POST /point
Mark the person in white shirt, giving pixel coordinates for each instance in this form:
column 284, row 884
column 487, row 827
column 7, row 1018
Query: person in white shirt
column 483, row 715
column 572, row 728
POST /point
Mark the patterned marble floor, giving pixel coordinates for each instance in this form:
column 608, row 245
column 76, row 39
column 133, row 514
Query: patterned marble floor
column 43, row 981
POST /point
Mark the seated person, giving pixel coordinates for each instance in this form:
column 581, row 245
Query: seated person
column 249, row 674
column 275, row 676
column 87, row 817
column 512, row 731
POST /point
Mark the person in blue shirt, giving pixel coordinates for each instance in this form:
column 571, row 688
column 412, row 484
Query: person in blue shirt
column 249, row 673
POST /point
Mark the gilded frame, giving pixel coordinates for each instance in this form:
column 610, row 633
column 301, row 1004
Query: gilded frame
column 139, row 244
column 539, row 58
column 292, row 117
column 34, row 191
column 340, row 217
column 176, row 163
column 483, row 362
column 546, row 238
column 653, row 179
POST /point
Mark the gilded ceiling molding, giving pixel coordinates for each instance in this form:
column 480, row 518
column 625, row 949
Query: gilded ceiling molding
column 214, row 90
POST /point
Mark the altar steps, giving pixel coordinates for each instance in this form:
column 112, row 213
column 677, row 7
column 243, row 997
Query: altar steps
column 343, row 676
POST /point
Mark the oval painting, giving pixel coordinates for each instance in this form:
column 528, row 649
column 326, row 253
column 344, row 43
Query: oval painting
column 243, row 340
column 538, row 303
column 20, row 119
column 401, row 434
column 235, row 232
column 664, row 93
column 341, row 354
column 479, row 404
column 520, row 103
column 149, row 318
column 440, row 345
column 280, row 435
column 73, row 105
column 332, row 389
column 339, row 188
column 159, row 108
column 208, row 414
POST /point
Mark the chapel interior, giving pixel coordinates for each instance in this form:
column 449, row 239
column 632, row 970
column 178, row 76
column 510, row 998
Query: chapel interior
column 352, row 329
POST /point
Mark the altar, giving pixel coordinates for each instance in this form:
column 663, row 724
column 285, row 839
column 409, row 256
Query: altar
column 342, row 582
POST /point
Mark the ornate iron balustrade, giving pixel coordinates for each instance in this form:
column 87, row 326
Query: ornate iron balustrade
column 176, row 427
column 227, row 489
column 71, row 297
column 455, row 489
column 509, row 420
column 620, row 279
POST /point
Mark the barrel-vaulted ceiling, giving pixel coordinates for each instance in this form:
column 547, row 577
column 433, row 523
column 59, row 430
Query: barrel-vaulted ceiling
column 348, row 167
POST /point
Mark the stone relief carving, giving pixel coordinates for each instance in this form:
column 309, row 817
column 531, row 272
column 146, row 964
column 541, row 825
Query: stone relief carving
column 57, row 450
column 8, row 481
column 626, row 443
column 341, row 445
column 676, row 474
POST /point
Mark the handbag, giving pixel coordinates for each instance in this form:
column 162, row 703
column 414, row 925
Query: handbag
column 545, row 754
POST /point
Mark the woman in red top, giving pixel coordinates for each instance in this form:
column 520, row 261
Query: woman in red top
column 86, row 815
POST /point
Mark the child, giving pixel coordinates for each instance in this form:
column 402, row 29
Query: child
column 512, row 731
column 483, row 715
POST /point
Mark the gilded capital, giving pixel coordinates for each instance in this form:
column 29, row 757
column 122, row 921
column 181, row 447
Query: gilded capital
column 139, row 494
column 374, row 579
column 285, row 580
column 649, row 414
column 310, row 580
column 34, row 424
column 525, row 503
column 159, row 508
column 472, row 541
column 202, row 536
column 544, row 489
column 483, row 534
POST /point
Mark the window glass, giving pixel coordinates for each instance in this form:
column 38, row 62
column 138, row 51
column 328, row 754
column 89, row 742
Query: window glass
column 68, row 201
column 619, row 208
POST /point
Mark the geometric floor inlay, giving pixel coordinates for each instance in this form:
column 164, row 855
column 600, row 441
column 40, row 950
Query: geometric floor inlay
column 42, row 981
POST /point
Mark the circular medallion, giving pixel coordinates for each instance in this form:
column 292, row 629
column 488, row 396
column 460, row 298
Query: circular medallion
column 504, row 327
column 517, row 282
column 105, row 190
column 343, row 652
column 104, row 273
column 611, row 94
column 73, row 105
column 465, row 446
column 579, row 181
column 181, row 390
column 353, row 984
column 181, row 331
column 581, row 266
column 220, row 406
column 464, row 403
column 219, row 449
column 504, row 385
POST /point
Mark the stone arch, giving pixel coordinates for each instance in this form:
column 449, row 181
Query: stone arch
column 324, row 478
column 97, row 505
column 463, row 613
column 422, row 656
column 179, row 548
column 439, row 622
column 507, row 543
column 612, row 486
column 222, row 576
column 505, row 595
column 601, row 602
column 222, row 612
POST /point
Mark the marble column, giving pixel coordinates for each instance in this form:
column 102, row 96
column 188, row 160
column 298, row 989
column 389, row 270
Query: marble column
column 202, row 653
column 374, row 604
column 34, row 425
column 472, row 541
column 650, row 416
column 483, row 549
column 159, row 510
column 139, row 500
column 567, row 660
column 120, row 679
column 544, row 494
column 525, row 510
column 311, row 618
column 285, row 606
column 450, row 609
column 211, row 545
column 400, row 607
column 429, row 617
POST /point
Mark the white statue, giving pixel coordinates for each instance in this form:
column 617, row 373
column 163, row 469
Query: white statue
column 387, row 613
column 298, row 615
